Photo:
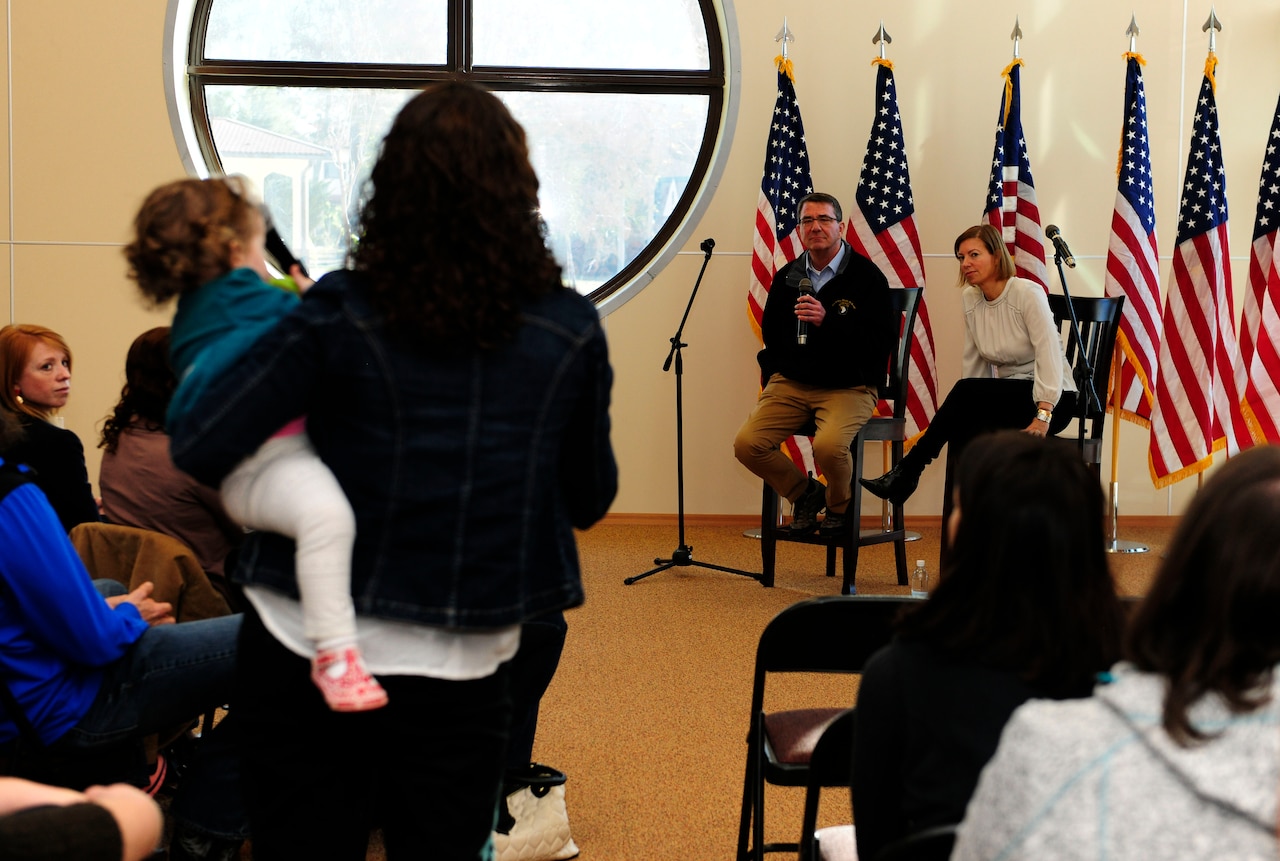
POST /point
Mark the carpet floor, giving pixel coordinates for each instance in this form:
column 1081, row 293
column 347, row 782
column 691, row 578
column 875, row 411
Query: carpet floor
column 648, row 712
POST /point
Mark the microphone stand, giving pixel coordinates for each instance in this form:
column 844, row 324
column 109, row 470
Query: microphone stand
column 1087, row 398
column 683, row 554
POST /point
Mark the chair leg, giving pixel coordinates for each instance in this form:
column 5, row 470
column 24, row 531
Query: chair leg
column 769, row 516
column 831, row 560
column 849, row 586
column 746, row 820
column 757, row 822
column 900, row 545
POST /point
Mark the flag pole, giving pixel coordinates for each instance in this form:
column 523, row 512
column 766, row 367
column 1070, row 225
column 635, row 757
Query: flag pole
column 784, row 36
column 883, row 39
column 1114, row 543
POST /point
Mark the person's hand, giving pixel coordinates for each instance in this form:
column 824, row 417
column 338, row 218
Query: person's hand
column 152, row 612
column 137, row 815
column 304, row 283
column 810, row 310
column 1037, row 428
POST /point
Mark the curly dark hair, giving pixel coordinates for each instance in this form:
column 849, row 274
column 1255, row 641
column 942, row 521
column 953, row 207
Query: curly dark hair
column 1027, row 588
column 149, row 384
column 185, row 232
column 451, row 242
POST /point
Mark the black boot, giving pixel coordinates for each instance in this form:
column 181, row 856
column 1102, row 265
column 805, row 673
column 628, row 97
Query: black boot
column 899, row 483
column 804, row 513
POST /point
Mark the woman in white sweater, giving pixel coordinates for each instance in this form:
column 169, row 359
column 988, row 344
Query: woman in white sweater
column 1177, row 754
column 1015, row 373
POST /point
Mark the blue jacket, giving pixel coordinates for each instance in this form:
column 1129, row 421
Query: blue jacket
column 467, row 472
column 215, row 326
column 56, row 631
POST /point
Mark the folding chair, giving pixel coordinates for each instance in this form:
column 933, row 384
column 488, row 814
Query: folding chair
column 827, row 634
column 830, row 766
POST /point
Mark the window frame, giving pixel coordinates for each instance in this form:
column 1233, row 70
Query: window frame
column 187, row 74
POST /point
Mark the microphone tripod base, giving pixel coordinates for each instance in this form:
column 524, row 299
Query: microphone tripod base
column 1118, row 546
column 682, row 557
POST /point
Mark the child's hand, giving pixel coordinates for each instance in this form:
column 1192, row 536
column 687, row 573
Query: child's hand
column 300, row 278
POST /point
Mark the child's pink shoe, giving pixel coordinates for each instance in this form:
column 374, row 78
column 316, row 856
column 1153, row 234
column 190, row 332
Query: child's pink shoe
column 346, row 684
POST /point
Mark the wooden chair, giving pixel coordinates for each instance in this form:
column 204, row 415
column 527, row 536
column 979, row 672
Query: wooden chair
column 890, row 429
column 1099, row 320
column 827, row 634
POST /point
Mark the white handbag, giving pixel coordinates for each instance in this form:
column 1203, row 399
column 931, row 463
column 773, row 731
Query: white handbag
column 540, row 831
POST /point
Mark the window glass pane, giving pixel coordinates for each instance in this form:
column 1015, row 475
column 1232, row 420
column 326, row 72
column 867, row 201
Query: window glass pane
column 652, row 34
column 611, row 167
column 308, row 152
column 332, row 31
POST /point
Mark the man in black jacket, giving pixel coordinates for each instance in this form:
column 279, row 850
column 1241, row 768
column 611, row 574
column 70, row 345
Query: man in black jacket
column 828, row 332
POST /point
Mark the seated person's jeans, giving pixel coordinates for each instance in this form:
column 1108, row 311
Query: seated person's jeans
column 172, row 674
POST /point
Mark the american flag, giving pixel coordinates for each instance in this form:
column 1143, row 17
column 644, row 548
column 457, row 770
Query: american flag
column 882, row 227
column 1132, row 260
column 1261, row 321
column 786, row 179
column 776, row 241
column 1011, row 193
column 1201, row 378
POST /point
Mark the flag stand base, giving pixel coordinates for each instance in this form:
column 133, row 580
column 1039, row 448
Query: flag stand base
column 1115, row 545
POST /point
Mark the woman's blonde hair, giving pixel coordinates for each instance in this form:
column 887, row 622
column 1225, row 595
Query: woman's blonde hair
column 994, row 242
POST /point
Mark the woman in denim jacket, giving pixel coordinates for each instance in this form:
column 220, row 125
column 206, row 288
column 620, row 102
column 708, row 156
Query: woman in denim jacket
column 459, row 392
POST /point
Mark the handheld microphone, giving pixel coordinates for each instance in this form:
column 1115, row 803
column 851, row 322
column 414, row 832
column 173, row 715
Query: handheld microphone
column 802, row 328
column 707, row 245
column 1053, row 234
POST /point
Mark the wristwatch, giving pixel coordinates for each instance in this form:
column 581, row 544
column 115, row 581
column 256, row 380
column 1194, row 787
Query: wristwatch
column 1043, row 415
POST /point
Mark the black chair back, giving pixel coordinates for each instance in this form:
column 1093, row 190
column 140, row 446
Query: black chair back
column 905, row 301
column 1099, row 319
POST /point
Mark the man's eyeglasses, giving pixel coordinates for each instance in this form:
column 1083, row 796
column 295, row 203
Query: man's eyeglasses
column 824, row 220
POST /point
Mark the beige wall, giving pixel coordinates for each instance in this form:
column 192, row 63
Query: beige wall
column 89, row 135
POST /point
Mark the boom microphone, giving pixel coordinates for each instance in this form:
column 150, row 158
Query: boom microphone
column 802, row 328
column 707, row 245
column 1053, row 234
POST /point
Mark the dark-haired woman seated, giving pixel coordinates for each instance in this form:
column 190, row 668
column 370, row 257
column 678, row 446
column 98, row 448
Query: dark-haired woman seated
column 1177, row 756
column 140, row 485
column 1025, row 609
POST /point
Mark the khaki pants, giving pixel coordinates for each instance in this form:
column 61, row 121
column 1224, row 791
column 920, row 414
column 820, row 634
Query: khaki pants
column 784, row 407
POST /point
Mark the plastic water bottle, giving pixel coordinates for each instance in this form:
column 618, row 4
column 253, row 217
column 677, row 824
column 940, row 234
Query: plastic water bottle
column 920, row 580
